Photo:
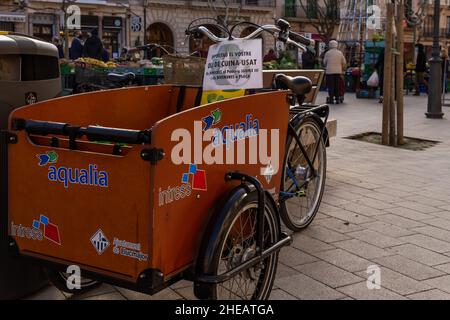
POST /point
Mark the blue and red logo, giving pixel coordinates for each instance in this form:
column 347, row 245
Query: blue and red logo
column 197, row 177
column 51, row 231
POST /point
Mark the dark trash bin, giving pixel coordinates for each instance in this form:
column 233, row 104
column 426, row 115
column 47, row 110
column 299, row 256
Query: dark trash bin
column 18, row 278
column 31, row 75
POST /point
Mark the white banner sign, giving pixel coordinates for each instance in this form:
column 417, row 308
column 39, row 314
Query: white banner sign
column 234, row 64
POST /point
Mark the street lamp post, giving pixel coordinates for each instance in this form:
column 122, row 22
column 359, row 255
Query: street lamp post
column 435, row 87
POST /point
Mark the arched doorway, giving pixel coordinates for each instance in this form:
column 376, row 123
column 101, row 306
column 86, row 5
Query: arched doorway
column 202, row 45
column 161, row 34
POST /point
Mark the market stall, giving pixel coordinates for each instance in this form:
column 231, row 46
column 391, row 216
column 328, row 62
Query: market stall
column 88, row 71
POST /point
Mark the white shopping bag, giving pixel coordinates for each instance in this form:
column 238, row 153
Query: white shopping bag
column 374, row 80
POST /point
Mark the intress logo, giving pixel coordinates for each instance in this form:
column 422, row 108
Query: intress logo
column 90, row 176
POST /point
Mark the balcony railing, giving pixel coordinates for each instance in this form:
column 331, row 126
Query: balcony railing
column 261, row 3
column 429, row 32
column 309, row 11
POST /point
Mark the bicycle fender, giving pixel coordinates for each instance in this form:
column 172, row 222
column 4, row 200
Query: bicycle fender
column 321, row 125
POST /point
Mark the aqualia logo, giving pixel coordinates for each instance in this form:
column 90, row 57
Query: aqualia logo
column 228, row 134
column 90, row 176
column 238, row 142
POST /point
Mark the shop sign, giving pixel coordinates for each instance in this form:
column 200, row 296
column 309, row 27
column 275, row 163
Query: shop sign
column 112, row 22
column 12, row 18
column 43, row 18
column 136, row 24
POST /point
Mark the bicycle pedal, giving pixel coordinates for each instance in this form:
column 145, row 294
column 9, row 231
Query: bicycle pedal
column 301, row 193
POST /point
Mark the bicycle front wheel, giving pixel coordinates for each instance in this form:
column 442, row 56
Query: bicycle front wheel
column 303, row 181
column 60, row 279
column 238, row 244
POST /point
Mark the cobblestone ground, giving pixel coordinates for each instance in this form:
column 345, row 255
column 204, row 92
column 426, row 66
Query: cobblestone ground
column 382, row 206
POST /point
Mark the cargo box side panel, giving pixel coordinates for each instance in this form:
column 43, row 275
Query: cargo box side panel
column 80, row 207
column 189, row 184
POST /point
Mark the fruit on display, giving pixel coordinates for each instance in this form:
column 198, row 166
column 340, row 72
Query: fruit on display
column 111, row 64
column 97, row 63
column 378, row 37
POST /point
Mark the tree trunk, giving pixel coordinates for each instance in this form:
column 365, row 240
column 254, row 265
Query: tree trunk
column 392, row 113
column 400, row 72
column 387, row 74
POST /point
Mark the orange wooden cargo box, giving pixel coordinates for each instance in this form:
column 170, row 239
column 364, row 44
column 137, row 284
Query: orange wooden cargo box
column 132, row 211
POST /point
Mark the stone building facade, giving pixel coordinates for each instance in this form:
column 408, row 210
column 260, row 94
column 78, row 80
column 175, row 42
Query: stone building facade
column 127, row 23
column 12, row 19
column 167, row 20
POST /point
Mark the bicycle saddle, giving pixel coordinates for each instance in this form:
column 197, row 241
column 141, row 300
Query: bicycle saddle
column 121, row 78
column 300, row 86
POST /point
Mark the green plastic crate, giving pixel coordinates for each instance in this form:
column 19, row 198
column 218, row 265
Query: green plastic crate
column 153, row 71
column 66, row 69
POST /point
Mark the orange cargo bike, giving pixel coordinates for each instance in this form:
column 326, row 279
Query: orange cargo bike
column 141, row 187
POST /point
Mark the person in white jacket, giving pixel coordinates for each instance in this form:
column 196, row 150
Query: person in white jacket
column 335, row 64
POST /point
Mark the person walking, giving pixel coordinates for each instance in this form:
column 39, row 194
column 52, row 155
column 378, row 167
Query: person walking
column 335, row 64
column 60, row 47
column 76, row 48
column 421, row 68
column 309, row 57
column 379, row 66
column 105, row 55
column 93, row 47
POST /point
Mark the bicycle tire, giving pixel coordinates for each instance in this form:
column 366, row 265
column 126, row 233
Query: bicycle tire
column 59, row 280
column 286, row 205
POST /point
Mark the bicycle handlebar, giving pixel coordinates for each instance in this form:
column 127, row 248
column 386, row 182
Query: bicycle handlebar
column 299, row 38
column 282, row 27
column 92, row 133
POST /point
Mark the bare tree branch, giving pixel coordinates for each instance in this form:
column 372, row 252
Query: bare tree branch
column 323, row 17
column 230, row 13
column 416, row 18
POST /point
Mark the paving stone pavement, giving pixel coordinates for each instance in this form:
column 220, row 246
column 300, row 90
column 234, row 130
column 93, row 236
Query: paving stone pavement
column 382, row 206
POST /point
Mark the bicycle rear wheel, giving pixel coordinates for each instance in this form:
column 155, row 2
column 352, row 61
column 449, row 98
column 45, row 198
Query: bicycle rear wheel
column 302, row 187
